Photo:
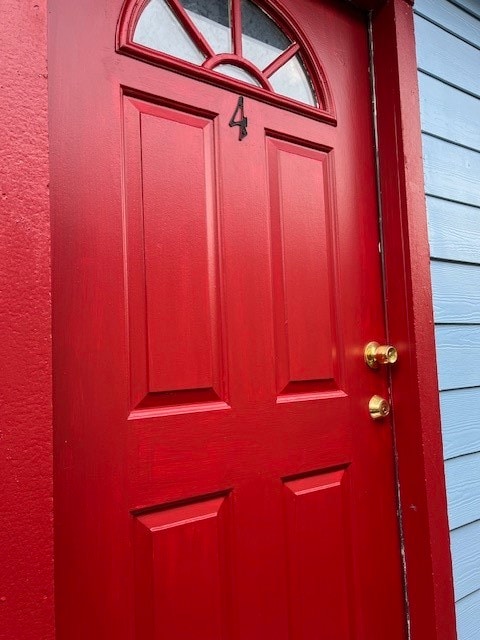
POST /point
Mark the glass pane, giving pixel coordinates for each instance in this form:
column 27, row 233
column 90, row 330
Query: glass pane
column 262, row 40
column 236, row 72
column 212, row 19
column 292, row 80
column 159, row 29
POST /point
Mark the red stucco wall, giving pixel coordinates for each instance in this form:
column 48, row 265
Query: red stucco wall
column 26, row 558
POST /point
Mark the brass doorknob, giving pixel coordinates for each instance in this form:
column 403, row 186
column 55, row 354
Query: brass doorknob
column 377, row 354
column 379, row 407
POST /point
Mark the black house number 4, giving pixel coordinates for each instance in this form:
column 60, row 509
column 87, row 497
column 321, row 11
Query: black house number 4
column 240, row 120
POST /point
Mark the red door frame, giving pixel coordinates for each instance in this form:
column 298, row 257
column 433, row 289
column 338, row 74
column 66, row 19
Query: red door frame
column 409, row 313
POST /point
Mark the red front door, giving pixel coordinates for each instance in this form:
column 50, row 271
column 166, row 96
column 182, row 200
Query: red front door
column 218, row 474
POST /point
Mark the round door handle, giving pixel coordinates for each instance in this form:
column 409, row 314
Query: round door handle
column 377, row 354
column 379, row 407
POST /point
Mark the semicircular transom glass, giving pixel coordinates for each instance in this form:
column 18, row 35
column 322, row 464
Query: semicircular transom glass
column 235, row 38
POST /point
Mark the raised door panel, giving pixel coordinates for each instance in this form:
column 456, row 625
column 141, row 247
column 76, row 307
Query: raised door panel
column 181, row 567
column 301, row 212
column 171, row 235
column 319, row 546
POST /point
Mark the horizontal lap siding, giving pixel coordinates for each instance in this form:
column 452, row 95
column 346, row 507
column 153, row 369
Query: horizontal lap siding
column 451, row 172
column 448, row 51
column 446, row 57
column 468, row 615
column 463, row 481
column 472, row 6
column 466, row 555
column 460, row 416
column 454, row 230
column 458, row 353
column 456, row 288
column 449, row 113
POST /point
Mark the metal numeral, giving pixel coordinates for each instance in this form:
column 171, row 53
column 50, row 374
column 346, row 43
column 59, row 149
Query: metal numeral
column 242, row 123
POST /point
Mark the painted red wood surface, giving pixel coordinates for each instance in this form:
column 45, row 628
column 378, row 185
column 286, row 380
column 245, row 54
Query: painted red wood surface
column 218, row 474
column 325, row 105
column 26, row 511
column 410, row 322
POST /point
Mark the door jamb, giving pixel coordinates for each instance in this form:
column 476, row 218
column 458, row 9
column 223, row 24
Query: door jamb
column 409, row 309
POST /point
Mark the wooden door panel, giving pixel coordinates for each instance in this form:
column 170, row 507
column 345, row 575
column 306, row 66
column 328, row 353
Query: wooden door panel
column 181, row 552
column 301, row 211
column 319, row 555
column 177, row 226
column 172, row 261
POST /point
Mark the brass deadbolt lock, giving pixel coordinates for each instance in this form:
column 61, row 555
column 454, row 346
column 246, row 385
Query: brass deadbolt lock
column 377, row 354
column 379, row 407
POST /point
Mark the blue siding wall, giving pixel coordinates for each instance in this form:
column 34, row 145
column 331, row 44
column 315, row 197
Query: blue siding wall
column 448, row 50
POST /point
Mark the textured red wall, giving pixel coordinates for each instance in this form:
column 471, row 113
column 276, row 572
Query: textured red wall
column 26, row 558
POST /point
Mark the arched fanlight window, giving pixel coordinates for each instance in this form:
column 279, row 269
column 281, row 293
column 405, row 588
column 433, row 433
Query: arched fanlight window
column 234, row 38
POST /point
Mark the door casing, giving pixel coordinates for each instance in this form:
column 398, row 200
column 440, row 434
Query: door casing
column 409, row 317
